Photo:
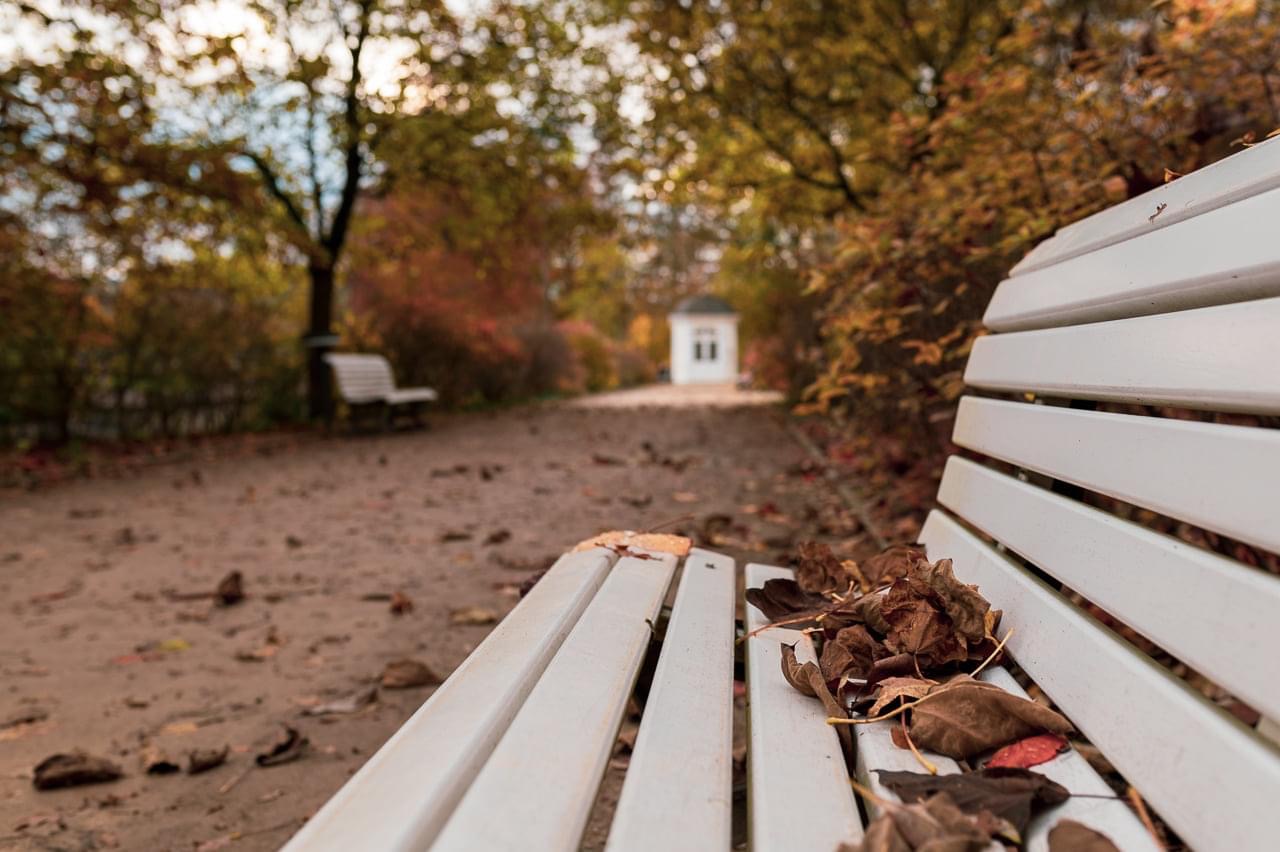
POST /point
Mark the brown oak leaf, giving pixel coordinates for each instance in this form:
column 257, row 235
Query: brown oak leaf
column 818, row 569
column 807, row 679
column 895, row 688
column 1015, row 795
column 1071, row 836
column 964, row 717
column 851, row 651
column 933, row 615
column 934, row 825
column 893, row 562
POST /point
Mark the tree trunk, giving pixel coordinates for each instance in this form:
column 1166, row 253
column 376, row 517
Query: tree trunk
column 319, row 394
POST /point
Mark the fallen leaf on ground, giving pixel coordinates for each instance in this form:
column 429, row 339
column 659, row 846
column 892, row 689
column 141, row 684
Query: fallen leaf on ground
column 25, row 717
column 180, row 728
column 473, row 615
column 936, row 825
column 964, row 717
column 203, row 759
column 288, row 748
column 1032, row 751
column 1011, row 794
column 455, row 535
column 156, row 762
column 349, row 704
column 685, row 497
column 230, row 589
column 406, row 674
column 498, row 537
column 1071, row 836
column 401, row 603
column 293, row 542
column 74, row 769
column 608, row 461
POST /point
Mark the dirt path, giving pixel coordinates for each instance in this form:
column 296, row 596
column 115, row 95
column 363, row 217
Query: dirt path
column 99, row 657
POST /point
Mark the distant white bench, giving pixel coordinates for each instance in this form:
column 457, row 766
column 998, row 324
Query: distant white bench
column 366, row 380
column 1183, row 309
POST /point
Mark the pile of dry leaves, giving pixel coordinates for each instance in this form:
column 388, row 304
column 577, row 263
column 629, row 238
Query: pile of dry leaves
column 902, row 639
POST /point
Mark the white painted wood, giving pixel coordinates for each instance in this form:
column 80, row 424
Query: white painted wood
column 1219, row 616
column 1214, row 780
column 1247, row 173
column 367, row 378
column 678, row 791
column 1112, row 817
column 798, row 785
column 401, row 797
column 537, row 789
column 1222, row 478
column 1228, row 255
column 1225, row 358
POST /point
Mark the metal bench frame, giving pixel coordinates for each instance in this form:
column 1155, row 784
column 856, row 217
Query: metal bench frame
column 1180, row 307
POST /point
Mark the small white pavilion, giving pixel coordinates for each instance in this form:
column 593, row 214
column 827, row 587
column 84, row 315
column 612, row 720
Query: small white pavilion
column 704, row 342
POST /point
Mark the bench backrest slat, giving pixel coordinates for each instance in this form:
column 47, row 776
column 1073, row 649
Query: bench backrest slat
column 1213, row 779
column 1223, row 478
column 362, row 378
column 1222, row 358
column 1224, row 256
column 1177, row 309
column 1203, row 608
column 1224, row 182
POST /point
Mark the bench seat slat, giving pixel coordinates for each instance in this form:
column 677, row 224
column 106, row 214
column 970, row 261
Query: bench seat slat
column 678, row 791
column 798, row 786
column 1243, row 175
column 401, row 797
column 1227, row 255
column 1211, row 612
column 1214, row 780
column 1221, row 358
column 537, row 789
column 1070, row 769
column 1223, row 478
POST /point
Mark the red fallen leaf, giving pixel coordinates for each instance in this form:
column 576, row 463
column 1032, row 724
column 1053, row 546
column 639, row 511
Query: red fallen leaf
column 1029, row 752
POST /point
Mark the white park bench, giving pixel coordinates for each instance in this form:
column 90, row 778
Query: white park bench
column 1181, row 309
column 366, row 380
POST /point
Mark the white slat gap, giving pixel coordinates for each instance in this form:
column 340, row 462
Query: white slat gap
column 1112, row 817
column 1214, row 780
column 1235, row 178
column 678, row 791
column 392, row 803
column 537, row 789
column 1223, row 358
column 1213, row 613
column 1222, row 478
column 798, row 786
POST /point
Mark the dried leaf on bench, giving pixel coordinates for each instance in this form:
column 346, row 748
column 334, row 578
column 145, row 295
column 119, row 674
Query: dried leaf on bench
column 782, row 598
column 406, row 674
column 622, row 540
column 74, row 769
column 852, row 651
column 1071, row 836
column 964, row 717
column 807, row 679
column 1032, row 751
column 288, row 748
column 934, row 616
column 892, row 563
column 820, row 571
column 1012, row 794
column 936, row 825
column 900, row 688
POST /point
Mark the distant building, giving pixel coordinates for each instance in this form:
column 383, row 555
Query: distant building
column 704, row 341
